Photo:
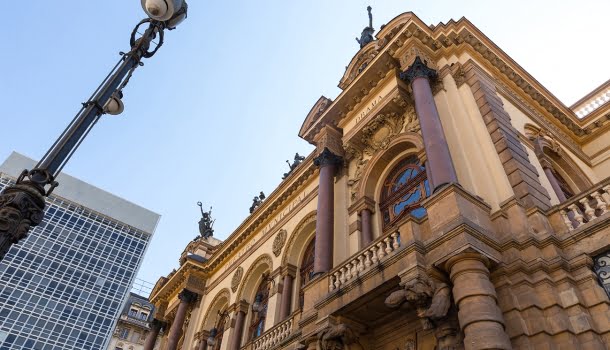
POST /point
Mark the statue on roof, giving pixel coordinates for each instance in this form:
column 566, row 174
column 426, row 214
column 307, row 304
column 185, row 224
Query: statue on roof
column 298, row 159
column 257, row 201
column 367, row 33
column 206, row 223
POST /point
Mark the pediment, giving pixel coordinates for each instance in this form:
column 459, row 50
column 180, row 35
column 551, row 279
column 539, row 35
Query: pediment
column 314, row 114
column 359, row 63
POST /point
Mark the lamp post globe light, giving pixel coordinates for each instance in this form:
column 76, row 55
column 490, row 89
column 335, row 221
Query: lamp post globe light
column 22, row 204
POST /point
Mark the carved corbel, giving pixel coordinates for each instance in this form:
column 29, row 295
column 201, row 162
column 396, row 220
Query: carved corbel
column 431, row 299
column 339, row 337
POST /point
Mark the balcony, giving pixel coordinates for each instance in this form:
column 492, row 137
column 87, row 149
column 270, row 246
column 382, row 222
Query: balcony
column 278, row 335
column 134, row 321
column 586, row 208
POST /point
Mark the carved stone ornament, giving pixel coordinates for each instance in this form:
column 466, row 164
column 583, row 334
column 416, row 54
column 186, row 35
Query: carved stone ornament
column 279, row 241
column 21, row 207
column 327, row 158
column 380, row 131
column 338, row 337
column 431, row 299
column 410, row 344
column 418, row 69
column 237, row 276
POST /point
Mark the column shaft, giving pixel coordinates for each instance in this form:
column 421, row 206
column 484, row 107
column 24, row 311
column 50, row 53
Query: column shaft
column 186, row 297
column 442, row 171
column 480, row 317
column 555, row 184
column 203, row 344
column 366, row 233
column 151, row 337
column 238, row 330
column 286, row 297
column 323, row 260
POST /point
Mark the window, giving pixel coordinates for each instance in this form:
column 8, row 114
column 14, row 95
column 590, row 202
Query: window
column 133, row 313
column 220, row 329
column 123, row 333
column 403, row 190
column 563, row 185
column 306, row 270
column 143, row 316
column 257, row 326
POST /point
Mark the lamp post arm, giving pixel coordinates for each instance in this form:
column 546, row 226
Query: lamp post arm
column 22, row 205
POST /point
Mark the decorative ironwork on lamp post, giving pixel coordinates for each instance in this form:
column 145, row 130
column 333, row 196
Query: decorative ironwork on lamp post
column 22, row 204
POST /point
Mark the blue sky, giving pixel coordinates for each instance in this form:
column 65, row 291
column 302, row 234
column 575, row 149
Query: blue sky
column 215, row 114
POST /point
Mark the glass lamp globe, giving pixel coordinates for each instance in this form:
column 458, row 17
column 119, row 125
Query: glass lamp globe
column 161, row 10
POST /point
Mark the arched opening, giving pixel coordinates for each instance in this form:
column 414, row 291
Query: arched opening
column 403, row 190
column 306, row 270
column 217, row 333
column 259, row 309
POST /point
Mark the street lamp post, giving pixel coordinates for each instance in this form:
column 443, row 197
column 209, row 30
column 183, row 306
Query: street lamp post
column 22, row 204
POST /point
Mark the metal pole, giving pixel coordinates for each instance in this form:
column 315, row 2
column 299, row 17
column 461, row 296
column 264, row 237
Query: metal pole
column 22, row 205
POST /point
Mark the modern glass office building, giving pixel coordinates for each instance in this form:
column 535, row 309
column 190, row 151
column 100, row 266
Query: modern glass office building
column 64, row 286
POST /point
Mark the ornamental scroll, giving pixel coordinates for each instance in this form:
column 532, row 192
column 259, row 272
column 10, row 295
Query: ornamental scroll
column 239, row 273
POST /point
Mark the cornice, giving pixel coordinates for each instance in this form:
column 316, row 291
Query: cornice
column 443, row 40
column 177, row 281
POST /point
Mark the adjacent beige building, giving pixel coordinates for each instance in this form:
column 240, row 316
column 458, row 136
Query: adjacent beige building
column 133, row 325
column 451, row 202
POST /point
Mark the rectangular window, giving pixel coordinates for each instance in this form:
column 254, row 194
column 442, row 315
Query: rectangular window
column 123, row 333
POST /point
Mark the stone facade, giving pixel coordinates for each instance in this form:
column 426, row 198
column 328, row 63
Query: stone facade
column 451, row 202
column 134, row 325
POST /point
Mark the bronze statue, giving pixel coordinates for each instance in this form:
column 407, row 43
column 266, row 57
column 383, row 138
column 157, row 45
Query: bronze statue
column 298, row 159
column 367, row 33
column 256, row 201
column 206, row 223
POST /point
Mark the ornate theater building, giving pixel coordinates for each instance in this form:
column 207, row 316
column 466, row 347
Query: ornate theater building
column 452, row 202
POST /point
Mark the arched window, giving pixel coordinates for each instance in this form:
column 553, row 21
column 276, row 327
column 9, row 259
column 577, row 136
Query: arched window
column 306, row 270
column 261, row 301
column 403, row 190
column 220, row 329
column 563, row 185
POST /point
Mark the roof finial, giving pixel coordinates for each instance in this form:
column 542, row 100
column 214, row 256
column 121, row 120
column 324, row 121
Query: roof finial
column 367, row 33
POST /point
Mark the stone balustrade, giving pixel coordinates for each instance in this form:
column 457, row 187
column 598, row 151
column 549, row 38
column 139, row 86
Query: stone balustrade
column 362, row 262
column 274, row 336
column 587, row 207
column 592, row 103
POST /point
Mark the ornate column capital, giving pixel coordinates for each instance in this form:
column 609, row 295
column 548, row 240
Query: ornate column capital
column 329, row 137
column 361, row 204
column 289, row 270
column 242, row 306
column 327, row 158
column 186, row 296
column 418, row 70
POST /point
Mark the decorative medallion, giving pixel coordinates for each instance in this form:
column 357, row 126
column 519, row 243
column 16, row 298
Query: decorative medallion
column 279, row 241
column 239, row 273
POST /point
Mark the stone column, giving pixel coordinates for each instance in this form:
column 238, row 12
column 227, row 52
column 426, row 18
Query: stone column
column 186, row 298
column 288, row 273
column 240, row 319
column 479, row 315
column 437, row 151
column 328, row 163
column 366, row 235
column 203, row 340
column 151, row 337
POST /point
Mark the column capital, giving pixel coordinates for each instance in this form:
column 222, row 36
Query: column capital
column 187, row 296
column 242, row 306
column 327, row 158
column 361, row 204
column 479, row 262
column 329, row 137
column 418, row 70
column 289, row 270
column 157, row 323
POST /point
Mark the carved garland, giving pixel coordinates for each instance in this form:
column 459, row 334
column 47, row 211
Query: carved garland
column 279, row 241
column 239, row 273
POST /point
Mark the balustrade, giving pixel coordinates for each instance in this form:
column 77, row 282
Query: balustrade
column 274, row 336
column 368, row 257
column 586, row 208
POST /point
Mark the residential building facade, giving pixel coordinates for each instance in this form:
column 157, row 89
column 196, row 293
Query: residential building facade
column 451, row 202
column 133, row 325
column 64, row 286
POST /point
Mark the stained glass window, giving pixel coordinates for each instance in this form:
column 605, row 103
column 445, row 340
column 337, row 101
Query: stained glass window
column 257, row 326
column 403, row 190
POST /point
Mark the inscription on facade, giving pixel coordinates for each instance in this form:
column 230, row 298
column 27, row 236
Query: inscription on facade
column 369, row 108
column 270, row 226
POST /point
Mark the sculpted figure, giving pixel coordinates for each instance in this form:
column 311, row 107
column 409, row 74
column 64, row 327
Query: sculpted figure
column 431, row 299
column 367, row 33
column 256, row 201
column 206, row 223
column 338, row 337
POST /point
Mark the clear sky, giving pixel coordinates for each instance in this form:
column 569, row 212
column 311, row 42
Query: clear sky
column 215, row 114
